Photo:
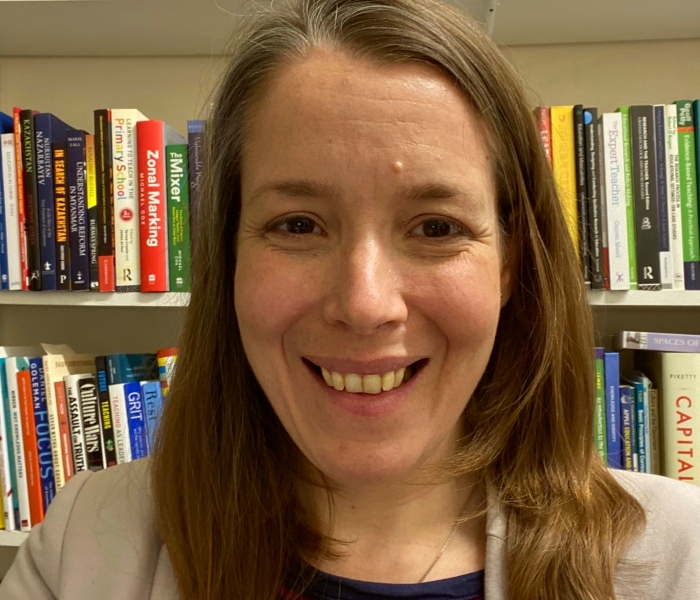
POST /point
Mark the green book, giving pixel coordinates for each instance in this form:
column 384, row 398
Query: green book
column 689, row 195
column 599, row 423
column 629, row 194
column 179, row 251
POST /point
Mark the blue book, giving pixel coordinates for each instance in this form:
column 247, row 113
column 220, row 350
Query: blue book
column 136, row 418
column 612, row 409
column 152, row 394
column 76, row 180
column 642, row 385
column 127, row 368
column 10, row 442
column 626, row 411
column 48, row 130
column 6, row 126
column 43, row 436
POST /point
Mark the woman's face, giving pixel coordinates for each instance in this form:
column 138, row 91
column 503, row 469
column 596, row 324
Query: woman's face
column 368, row 250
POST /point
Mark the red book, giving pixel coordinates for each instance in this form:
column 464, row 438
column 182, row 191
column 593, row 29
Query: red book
column 31, row 450
column 151, row 139
column 64, row 433
column 545, row 124
column 20, row 199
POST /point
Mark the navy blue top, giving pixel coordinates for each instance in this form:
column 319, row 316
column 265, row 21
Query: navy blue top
column 331, row 587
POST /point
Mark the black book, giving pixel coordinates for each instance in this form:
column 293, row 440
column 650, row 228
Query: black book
column 91, row 422
column 105, row 201
column 646, row 210
column 109, row 446
column 31, row 199
column 581, row 192
column 595, row 208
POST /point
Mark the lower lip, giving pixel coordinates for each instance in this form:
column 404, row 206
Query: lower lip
column 368, row 405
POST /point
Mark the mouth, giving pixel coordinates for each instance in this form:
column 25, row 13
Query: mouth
column 374, row 383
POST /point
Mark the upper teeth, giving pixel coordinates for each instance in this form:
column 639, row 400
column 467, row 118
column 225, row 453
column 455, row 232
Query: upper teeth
column 369, row 384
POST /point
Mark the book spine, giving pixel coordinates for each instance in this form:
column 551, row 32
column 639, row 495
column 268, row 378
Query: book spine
column 108, row 442
column 9, row 167
column 627, row 427
column 544, row 123
column 665, row 256
column 126, row 204
column 196, row 144
column 689, row 195
column 179, row 251
column 166, row 359
column 614, row 198
column 600, row 430
column 7, row 413
column 643, row 430
column 664, row 342
column 21, row 212
column 91, row 191
column 564, row 165
column 77, row 203
column 6, row 458
column 136, row 418
column 51, row 409
column 581, row 193
column 655, row 431
column 45, row 132
column 120, row 423
column 612, row 407
column 91, row 422
column 31, row 453
column 152, row 207
column 76, row 423
column 674, row 195
column 152, row 397
column 629, row 195
column 59, row 151
column 13, row 366
column 646, row 212
column 31, row 204
column 595, row 224
column 42, row 430
column 4, row 276
column 105, row 199
column 64, row 430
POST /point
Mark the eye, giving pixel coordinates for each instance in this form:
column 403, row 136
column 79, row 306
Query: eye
column 438, row 228
column 298, row 225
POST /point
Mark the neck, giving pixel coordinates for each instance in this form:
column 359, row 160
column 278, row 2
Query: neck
column 394, row 531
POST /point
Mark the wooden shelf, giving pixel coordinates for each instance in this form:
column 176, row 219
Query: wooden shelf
column 130, row 299
column 12, row 538
column 644, row 299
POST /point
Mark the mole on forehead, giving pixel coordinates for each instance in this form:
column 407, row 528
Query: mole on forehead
column 397, row 166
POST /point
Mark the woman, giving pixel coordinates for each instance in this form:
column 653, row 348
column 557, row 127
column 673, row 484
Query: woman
column 400, row 404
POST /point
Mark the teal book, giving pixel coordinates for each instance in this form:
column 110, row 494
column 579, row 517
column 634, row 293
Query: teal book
column 10, row 446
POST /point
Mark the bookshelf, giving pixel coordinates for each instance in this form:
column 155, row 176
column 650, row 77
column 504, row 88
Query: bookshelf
column 72, row 57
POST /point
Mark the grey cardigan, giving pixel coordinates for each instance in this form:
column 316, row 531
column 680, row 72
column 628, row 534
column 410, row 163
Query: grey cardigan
column 99, row 542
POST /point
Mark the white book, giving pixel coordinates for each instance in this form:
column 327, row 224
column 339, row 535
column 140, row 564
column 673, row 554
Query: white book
column 7, row 490
column 614, row 198
column 9, row 170
column 127, row 271
column 13, row 365
column 72, row 383
column 673, row 186
column 120, row 423
column 665, row 253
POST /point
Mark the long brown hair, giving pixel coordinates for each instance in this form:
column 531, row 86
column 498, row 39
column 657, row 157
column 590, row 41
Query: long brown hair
column 224, row 467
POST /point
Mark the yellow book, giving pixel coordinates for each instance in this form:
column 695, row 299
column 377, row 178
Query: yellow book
column 564, row 165
column 2, row 512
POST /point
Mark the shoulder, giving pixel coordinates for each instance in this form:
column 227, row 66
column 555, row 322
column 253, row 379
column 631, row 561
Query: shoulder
column 667, row 552
column 99, row 538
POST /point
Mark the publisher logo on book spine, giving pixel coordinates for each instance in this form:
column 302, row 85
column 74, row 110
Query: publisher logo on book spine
column 126, row 214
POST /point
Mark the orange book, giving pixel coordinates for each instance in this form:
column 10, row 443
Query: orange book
column 31, row 451
column 64, row 432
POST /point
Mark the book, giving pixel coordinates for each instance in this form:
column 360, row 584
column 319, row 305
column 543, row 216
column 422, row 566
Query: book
column 612, row 409
column 629, row 195
column 91, row 195
column 689, row 194
column 614, row 197
column 105, row 199
column 665, row 255
column 42, row 431
column 76, row 175
column 564, row 165
column 152, row 396
column 90, row 411
column 581, row 192
column 6, row 127
column 167, row 359
column 595, row 206
column 627, row 427
column 108, row 442
column 127, row 368
column 31, row 452
column 677, row 377
column 21, row 213
column 64, row 430
column 11, row 210
column 31, row 201
column 117, row 400
column 642, row 386
column 59, row 152
column 655, row 431
column 674, row 195
column 125, row 151
column 646, row 210
column 72, row 383
column 136, row 419
column 48, row 129
column 545, row 125
column 153, row 138
column 196, row 132
column 664, row 342
column 599, row 421
column 178, row 192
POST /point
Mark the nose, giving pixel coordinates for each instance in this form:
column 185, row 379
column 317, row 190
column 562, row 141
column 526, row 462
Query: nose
column 366, row 292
